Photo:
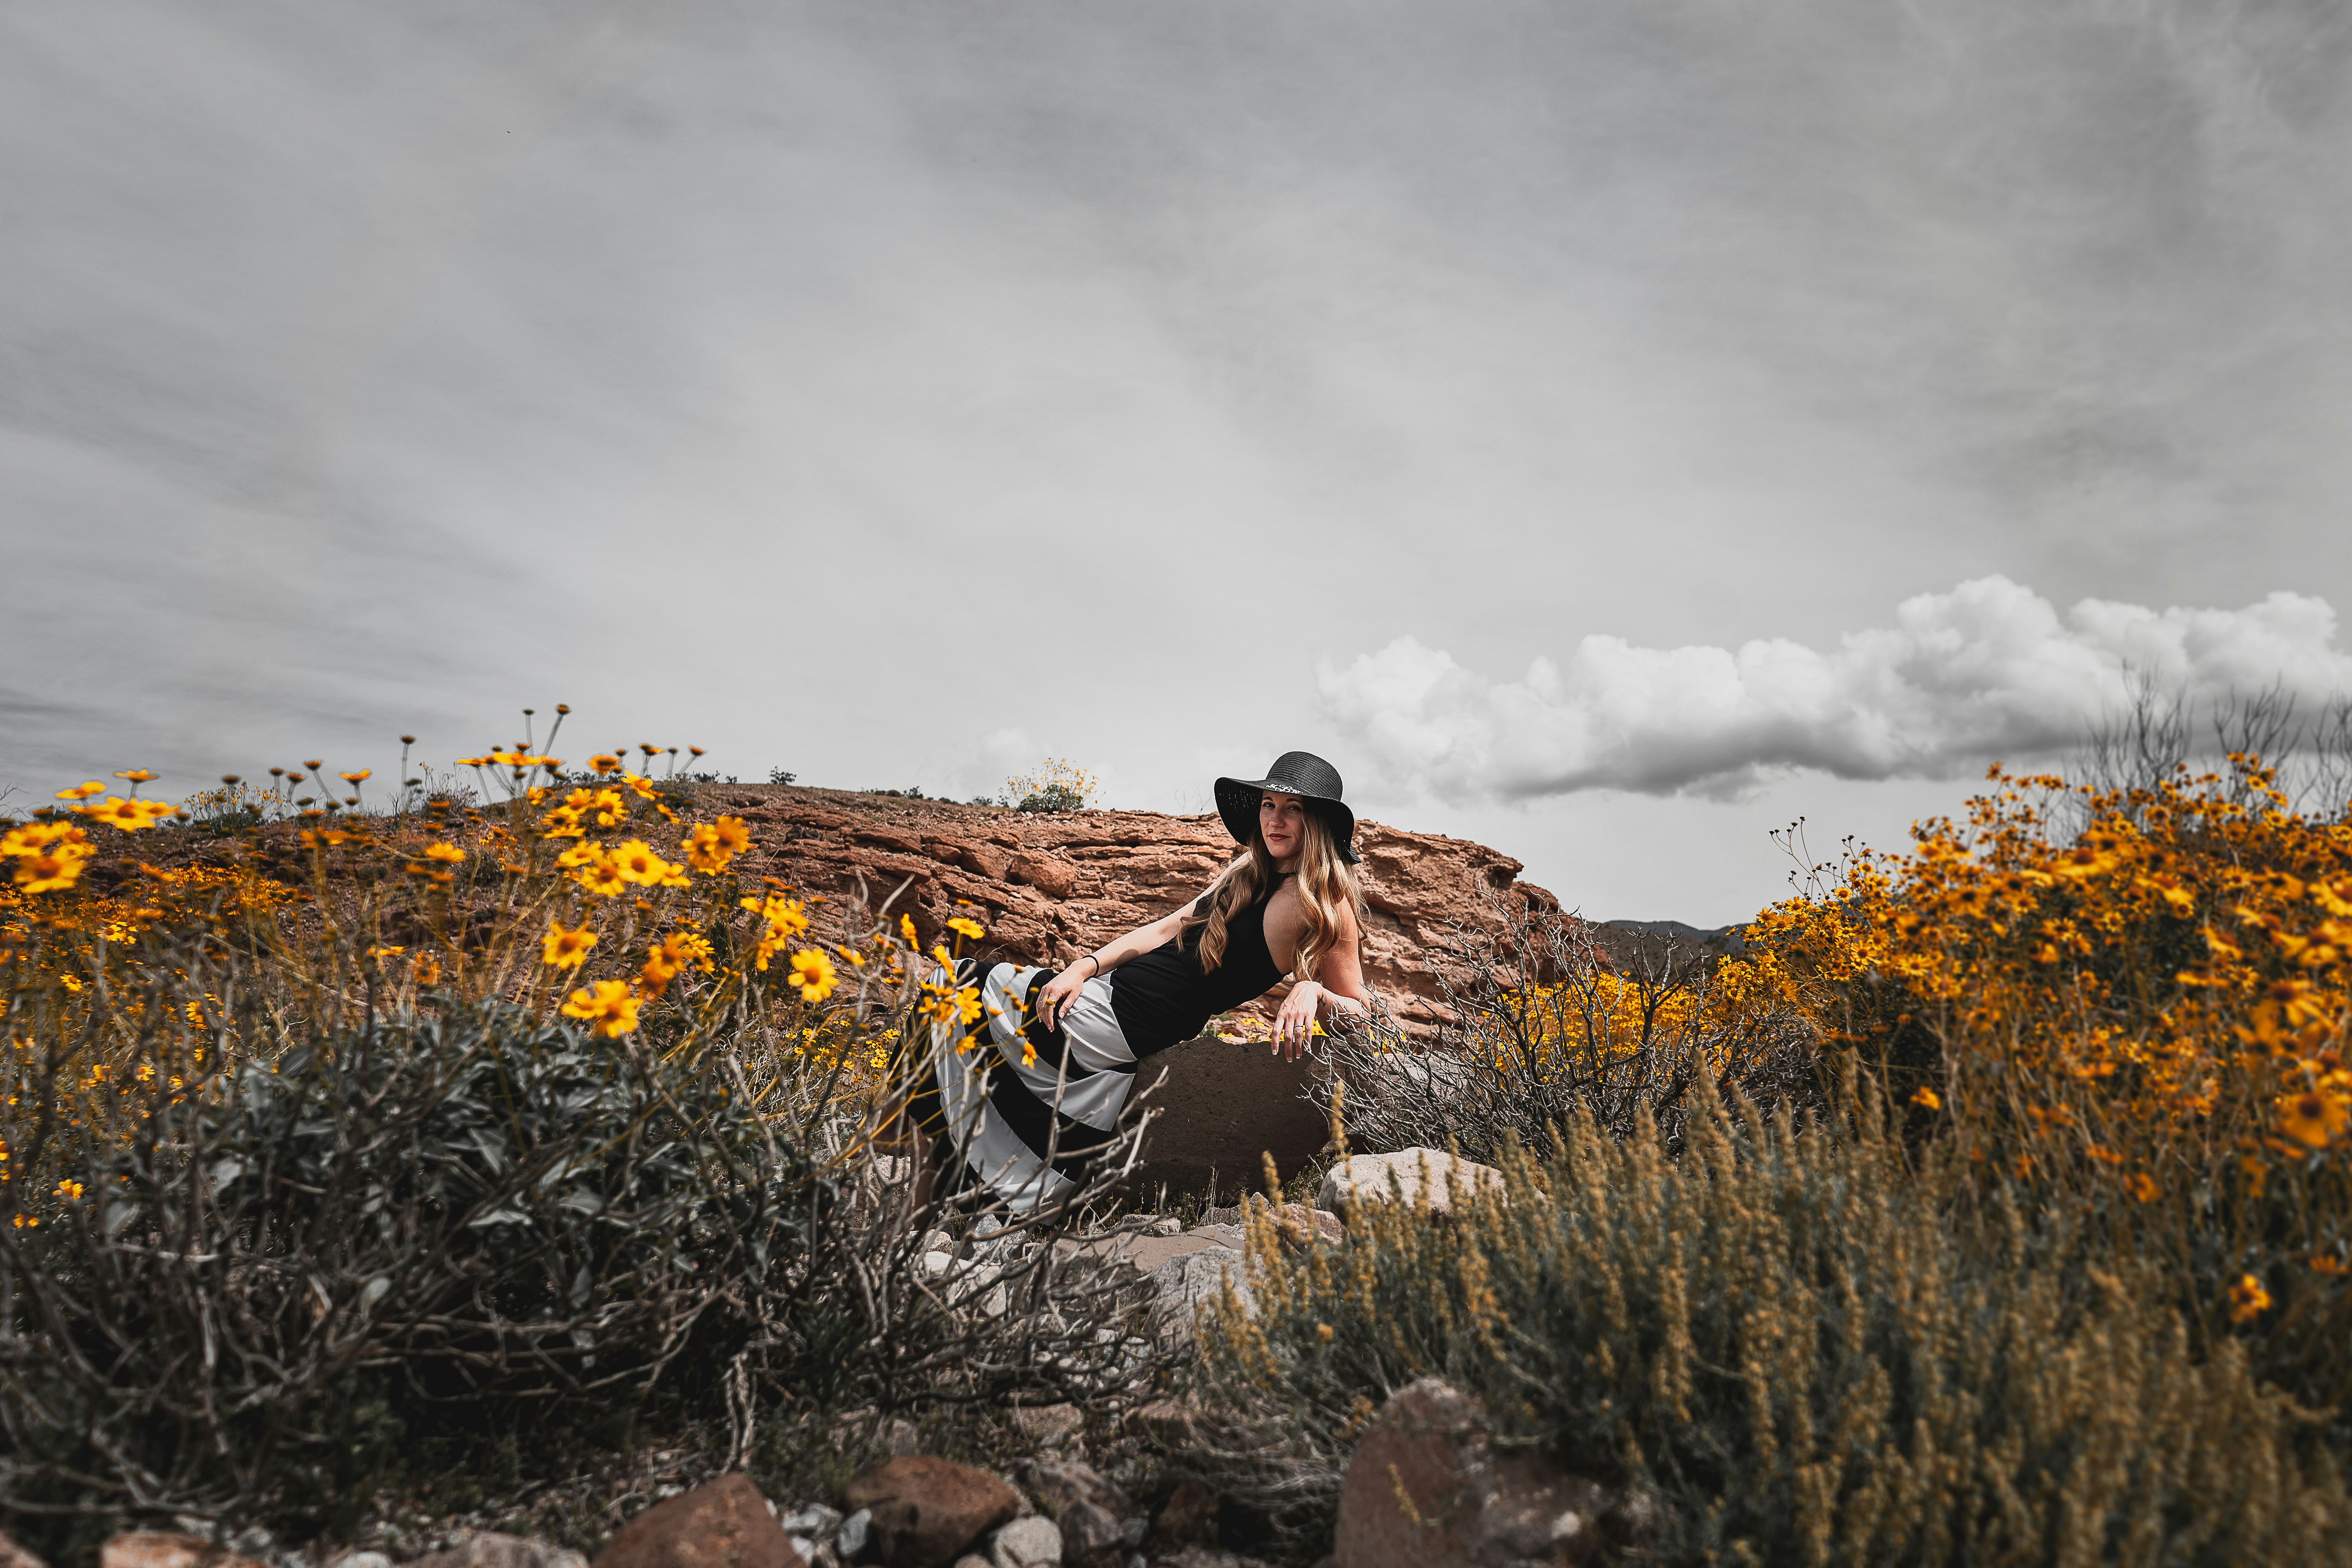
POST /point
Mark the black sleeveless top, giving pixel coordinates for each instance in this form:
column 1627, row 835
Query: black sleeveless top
column 1161, row 997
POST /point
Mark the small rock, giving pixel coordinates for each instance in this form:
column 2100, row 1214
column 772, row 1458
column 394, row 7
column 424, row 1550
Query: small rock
column 361, row 1560
column 492, row 1550
column 938, row 1241
column 1091, row 1535
column 972, row 1560
column 1171, row 1422
column 1039, row 1422
column 1086, row 1505
column 925, row 1512
column 1224, row 1233
column 1189, row 1515
column 1462, row 1503
column 1059, row 1484
column 1027, row 1543
column 726, row 1524
column 856, row 1531
column 1312, row 1224
column 901, row 1438
column 13, row 1553
column 1166, row 1224
column 167, row 1549
column 1417, row 1173
column 814, row 1520
column 1182, row 1285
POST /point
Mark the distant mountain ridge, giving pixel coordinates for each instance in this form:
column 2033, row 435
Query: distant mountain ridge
column 1722, row 939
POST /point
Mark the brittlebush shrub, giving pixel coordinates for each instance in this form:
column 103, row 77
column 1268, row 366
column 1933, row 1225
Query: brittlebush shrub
column 1543, row 1025
column 352, row 1154
column 2140, row 1021
column 1804, row 1345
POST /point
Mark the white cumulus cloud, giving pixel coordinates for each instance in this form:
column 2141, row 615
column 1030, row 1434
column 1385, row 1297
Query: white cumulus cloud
column 1989, row 670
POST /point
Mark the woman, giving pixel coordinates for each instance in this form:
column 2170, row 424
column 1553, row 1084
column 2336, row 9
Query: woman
column 1021, row 1102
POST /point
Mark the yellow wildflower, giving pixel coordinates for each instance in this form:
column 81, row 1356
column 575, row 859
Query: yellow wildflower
column 448, row 852
column 812, row 975
column 636, row 862
column 2314, row 1117
column 963, row 925
column 2248, row 1300
column 129, row 816
column 566, row 947
column 54, row 871
column 35, row 838
column 603, row 878
column 607, row 1008
column 82, row 791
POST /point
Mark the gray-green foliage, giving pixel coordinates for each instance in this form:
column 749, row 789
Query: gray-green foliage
column 1803, row 1348
column 274, row 1279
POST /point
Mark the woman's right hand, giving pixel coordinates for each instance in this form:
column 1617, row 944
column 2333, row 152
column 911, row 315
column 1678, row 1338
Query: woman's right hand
column 1063, row 990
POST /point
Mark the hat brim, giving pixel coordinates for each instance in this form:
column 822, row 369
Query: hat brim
column 1237, row 802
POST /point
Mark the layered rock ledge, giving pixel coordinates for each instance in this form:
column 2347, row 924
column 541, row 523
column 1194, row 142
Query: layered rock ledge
column 1050, row 886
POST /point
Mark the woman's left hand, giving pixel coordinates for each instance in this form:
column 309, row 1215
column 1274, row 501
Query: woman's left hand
column 1296, row 1023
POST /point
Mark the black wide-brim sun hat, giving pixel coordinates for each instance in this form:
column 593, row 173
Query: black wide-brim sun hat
column 1302, row 773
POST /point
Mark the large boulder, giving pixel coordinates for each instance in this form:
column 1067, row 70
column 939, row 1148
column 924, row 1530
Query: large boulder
column 925, row 1511
column 1427, row 1488
column 1052, row 886
column 1222, row 1107
column 1416, row 1175
column 725, row 1524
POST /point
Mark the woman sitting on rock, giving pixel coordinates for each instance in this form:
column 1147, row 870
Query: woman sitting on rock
column 1019, row 1103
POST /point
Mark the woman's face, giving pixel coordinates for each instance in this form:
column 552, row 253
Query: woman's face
column 1282, row 821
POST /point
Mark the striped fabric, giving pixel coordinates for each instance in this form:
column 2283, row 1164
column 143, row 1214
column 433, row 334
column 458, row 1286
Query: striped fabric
column 1022, row 1128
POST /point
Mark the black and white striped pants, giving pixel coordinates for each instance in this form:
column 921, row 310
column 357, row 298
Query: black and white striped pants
column 1023, row 1120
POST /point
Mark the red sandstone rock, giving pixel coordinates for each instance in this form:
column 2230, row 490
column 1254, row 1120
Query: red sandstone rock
column 927, row 1510
column 726, row 1524
column 1049, row 887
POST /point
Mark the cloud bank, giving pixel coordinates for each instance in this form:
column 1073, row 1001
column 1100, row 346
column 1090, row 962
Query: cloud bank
column 1990, row 670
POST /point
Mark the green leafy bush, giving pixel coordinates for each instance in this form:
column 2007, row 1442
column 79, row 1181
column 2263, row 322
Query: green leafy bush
column 1806, row 1348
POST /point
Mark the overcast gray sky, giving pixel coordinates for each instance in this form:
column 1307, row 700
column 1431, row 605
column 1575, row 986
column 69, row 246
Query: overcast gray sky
column 1607, row 429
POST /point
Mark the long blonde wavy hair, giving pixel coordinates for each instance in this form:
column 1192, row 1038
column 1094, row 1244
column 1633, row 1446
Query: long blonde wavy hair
column 1325, row 882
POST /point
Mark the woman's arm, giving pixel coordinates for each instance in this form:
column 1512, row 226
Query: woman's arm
column 1336, row 990
column 1064, row 987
